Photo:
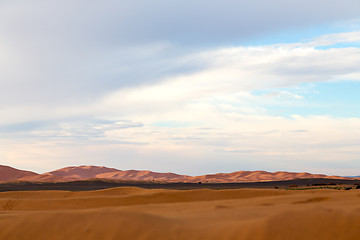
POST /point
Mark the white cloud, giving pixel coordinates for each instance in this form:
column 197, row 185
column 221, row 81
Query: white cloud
column 170, row 103
column 234, row 71
column 60, row 52
column 331, row 39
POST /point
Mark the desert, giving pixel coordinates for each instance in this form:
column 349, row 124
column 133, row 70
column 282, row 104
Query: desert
column 79, row 203
column 139, row 213
column 179, row 120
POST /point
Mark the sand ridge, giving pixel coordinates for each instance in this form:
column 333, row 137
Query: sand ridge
column 135, row 213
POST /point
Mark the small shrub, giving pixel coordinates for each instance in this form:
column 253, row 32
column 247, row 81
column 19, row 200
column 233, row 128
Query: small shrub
column 10, row 205
column 348, row 188
column 357, row 187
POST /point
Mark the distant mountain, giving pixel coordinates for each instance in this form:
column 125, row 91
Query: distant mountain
column 71, row 174
column 144, row 176
column 93, row 172
column 89, row 172
column 255, row 176
column 11, row 174
column 352, row 176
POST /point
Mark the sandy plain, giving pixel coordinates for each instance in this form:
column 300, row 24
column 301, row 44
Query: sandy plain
column 137, row 213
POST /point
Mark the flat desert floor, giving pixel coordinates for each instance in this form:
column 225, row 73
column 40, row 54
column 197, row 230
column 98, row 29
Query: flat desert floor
column 137, row 213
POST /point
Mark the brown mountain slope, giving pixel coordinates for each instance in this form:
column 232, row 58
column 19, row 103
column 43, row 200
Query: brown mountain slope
column 144, row 176
column 71, row 173
column 256, row 176
column 91, row 172
column 45, row 177
column 12, row 174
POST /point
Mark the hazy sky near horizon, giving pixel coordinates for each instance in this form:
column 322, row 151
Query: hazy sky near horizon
column 191, row 87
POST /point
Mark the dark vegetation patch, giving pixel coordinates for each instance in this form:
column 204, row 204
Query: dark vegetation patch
column 97, row 184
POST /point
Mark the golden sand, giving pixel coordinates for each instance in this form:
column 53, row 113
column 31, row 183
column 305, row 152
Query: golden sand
column 135, row 213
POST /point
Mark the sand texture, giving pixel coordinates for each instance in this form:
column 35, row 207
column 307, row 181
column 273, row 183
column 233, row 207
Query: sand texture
column 136, row 213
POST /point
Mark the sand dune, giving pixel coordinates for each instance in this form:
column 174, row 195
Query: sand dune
column 70, row 174
column 144, row 176
column 135, row 213
column 46, row 177
column 255, row 176
column 91, row 172
column 12, row 174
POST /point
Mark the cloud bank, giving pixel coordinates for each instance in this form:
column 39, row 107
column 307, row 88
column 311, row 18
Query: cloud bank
column 177, row 87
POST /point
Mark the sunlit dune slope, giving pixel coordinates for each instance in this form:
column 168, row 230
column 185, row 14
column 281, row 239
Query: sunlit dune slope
column 135, row 213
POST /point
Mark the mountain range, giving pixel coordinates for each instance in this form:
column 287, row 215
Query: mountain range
column 99, row 172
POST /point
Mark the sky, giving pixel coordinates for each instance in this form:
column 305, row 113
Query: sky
column 192, row 87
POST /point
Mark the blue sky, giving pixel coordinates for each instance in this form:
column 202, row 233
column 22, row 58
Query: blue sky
column 338, row 99
column 191, row 87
